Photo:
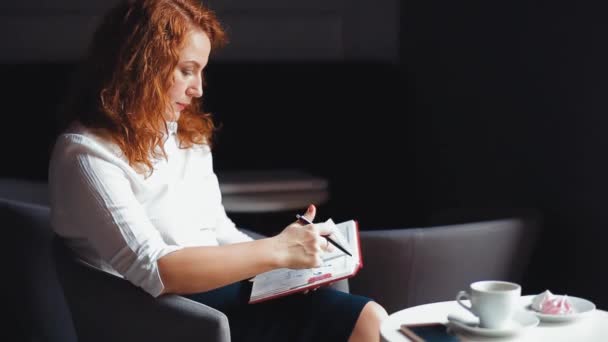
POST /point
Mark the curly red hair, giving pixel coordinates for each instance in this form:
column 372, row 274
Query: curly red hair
column 122, row 89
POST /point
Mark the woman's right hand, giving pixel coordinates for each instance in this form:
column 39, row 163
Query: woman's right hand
column 301, row 246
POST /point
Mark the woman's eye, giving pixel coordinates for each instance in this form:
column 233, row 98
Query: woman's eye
column 187, row 72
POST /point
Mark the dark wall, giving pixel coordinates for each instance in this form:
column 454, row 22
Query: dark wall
column 509, row 103
column 329, row 119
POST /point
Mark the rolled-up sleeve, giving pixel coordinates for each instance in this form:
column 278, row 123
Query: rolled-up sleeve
column 93, row 200
column 226, row 230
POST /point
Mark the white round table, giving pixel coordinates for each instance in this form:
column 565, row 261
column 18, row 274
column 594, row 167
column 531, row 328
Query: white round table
column 592, row 327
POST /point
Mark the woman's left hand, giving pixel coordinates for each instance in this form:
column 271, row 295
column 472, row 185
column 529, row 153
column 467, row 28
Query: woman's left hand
column 317, row 287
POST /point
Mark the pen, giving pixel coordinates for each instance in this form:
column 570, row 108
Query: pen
column 304, row 219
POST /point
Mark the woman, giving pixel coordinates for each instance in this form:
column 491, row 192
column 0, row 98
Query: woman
column 133, row 190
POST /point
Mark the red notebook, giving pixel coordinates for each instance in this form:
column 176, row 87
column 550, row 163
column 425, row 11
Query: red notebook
column 336, row 266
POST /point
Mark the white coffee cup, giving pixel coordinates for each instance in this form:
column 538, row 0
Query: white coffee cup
column 493, row 301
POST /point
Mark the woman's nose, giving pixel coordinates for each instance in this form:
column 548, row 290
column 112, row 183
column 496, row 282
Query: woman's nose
column 196, row 91
column 196, row 88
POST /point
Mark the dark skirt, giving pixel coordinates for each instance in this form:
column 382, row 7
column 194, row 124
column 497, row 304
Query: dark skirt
column 322, row 315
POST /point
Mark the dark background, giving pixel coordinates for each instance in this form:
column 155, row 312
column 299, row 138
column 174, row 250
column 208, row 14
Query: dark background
column 490, row 106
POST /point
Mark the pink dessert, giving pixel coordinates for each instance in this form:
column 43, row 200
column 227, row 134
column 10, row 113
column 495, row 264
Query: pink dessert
column 550, row 304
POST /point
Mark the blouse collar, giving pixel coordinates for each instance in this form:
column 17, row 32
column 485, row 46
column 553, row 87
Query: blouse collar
column 172, row 127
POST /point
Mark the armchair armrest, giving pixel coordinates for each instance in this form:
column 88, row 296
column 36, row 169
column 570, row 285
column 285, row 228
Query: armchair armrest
column 108, row 308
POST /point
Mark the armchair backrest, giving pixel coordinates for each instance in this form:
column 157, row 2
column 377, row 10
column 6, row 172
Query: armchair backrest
column 408, row 267
column 24, row 190
column 41, row 309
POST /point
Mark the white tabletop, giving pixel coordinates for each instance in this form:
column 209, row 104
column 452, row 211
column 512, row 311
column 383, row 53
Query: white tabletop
column 592, row 327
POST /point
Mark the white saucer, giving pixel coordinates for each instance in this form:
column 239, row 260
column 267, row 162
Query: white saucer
column 581, row 307
column 522, row 320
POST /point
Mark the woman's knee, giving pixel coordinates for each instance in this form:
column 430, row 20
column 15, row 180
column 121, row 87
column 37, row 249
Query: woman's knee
column 368, row 325
column 374, row 311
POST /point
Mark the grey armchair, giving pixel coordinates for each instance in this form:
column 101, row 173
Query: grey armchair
column 66, row 301
column 59, row 299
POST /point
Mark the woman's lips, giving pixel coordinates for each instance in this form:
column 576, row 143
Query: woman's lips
column 180, row 106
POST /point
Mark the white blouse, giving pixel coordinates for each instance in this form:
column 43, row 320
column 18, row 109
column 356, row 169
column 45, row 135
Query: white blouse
column 122, row 221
